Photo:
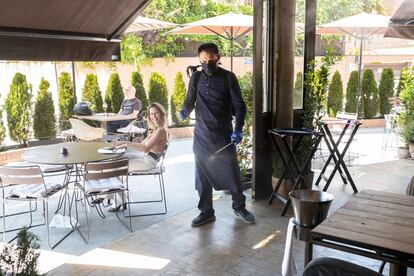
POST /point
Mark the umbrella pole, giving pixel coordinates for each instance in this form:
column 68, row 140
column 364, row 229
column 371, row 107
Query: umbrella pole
column 231, row 48
column 359, row 78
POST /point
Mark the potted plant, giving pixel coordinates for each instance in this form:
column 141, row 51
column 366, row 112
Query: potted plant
column 406, row 117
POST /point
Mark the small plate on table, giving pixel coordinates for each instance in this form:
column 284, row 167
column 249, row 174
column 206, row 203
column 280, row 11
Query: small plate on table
column 111, row 150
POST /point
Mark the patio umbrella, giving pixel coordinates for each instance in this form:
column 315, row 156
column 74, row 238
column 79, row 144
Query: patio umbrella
column 229, row 26
column 402, row 21
column 361, row 26
column 146, row 24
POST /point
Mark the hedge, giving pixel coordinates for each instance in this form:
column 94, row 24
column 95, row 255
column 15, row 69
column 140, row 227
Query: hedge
column 297, row 92
column 136, row 81
column 351, row 92
column 335, row 95
column 18, row 108
column 92, row 93
column 44, row 121
column 67, row 99
column 157, row 90
column 114, row 94
column 369, row 93
column 386, row 90
column 177, row 100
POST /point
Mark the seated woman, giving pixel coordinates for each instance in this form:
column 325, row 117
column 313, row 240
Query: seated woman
column 144, row 155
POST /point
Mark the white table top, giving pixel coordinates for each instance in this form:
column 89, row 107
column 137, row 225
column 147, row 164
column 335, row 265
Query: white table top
column 102, row 117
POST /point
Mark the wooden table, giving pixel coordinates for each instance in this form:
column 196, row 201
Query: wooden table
column 374, row 224
column 104, row 118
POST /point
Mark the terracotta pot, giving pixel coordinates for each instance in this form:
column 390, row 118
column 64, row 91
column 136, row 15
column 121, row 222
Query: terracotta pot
column 287, row 184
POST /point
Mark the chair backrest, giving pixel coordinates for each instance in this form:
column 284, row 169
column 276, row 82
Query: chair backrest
column 20, row 175
column 85, row 132
column 106, row 169
column 164, row 153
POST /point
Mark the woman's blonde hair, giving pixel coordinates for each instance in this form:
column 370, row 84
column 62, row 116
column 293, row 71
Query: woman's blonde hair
column 163, row 120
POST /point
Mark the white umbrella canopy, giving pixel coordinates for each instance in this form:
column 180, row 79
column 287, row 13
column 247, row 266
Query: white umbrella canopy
column 360, row 26
column 402, row 21
column 229, row 26
column 141, row 24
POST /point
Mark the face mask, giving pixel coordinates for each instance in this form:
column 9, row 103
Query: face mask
column 210, row 67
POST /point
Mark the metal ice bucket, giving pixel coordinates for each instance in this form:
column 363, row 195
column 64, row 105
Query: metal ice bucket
column 310, row 206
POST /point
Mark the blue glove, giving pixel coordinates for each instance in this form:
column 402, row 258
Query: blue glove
column 182, row 115
column 236, row 137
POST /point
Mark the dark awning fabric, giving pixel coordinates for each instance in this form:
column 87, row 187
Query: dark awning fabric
column 65, row 30
column 402, row 21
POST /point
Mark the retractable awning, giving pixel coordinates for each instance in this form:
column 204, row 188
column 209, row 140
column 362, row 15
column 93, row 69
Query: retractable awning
column 402, row 21
column 65, row 30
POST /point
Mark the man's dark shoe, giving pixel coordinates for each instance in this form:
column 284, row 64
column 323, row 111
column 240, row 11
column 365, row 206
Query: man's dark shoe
column 202, row 219
column 245, row 215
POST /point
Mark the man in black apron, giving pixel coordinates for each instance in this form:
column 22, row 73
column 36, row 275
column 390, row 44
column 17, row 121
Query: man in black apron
column 215, row 94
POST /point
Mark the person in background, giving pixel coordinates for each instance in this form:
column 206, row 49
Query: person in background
column 145, row 155
column 130, row 105
column 215, row 94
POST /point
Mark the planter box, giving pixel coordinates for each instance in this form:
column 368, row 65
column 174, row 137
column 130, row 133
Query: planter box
column 11, row 156
column 181, row 132
column 366, row 123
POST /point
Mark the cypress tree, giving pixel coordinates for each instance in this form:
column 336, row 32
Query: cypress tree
column 335, row 95
column 114, row 94
column 351, row 92
column 157, row 90
column 386, row 90
column 400, row 84
column 92, row 93
column 369, row 92
column 18, row 107
column 67, row 99
column 44, row 121
column 137, row 82
column 177, row 100
column 297, row 92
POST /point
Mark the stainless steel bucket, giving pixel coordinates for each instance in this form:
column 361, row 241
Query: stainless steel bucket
column 310, row 206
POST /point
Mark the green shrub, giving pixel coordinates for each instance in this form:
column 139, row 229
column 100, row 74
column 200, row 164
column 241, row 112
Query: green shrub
column 157, row 89
column 136, row 81
column 369, row 92
column 21, row 258
column 67, row 99
column 297, row 92
column 92, row 93
column 114, row 94
column 2, row 129
column 335, row 95
column 406, row 118
column 351, row 92
column 18, row 109
column 177, row 100
column 44, row 121
column 400, row 84
column 386, row 90
column 246, row 88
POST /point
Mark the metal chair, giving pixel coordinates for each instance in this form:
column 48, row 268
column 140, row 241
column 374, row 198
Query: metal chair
column 157, row 171
column 85, row 132
column 103, row 178
column 29, row 187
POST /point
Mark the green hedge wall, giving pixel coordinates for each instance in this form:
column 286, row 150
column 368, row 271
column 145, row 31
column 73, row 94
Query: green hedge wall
column 369, row 93
column 92, row 93
column 157, row 89
column 18, row 107
column 44, row 120
column 114, row 94
column 177, row 100
column 335, row 95
column 386, row 90
column 136, row 81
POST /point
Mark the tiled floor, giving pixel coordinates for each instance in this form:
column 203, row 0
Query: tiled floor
column 228, row 246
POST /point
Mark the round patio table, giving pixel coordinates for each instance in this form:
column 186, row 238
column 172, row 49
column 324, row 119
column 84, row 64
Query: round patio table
column 78, row 153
